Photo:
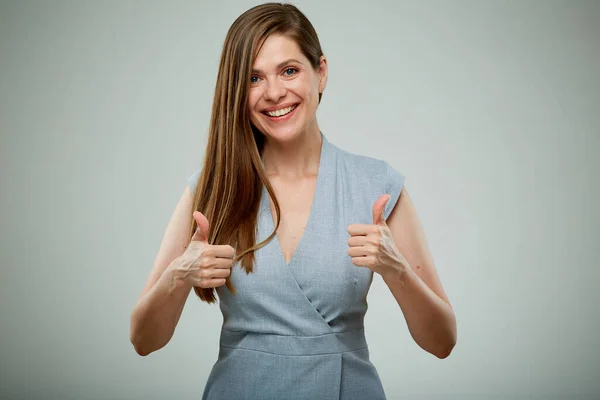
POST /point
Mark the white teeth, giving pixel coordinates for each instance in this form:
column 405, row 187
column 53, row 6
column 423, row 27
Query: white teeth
column 281, row 112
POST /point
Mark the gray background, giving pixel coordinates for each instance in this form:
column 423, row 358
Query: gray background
column 490, row 109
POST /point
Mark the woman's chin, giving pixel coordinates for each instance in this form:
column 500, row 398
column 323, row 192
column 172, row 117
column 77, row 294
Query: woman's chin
column 281, row 134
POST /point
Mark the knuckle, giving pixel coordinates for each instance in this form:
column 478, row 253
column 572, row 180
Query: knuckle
column 203, row 284
column 204, row 273
column 205, row 261
column 208, row 251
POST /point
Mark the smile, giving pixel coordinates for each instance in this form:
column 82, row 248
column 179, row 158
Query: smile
column 281, row 112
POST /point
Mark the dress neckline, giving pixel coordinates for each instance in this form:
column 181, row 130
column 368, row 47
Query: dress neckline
column 266, row 206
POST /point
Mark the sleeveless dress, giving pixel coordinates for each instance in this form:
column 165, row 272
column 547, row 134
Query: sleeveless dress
column 295, row 331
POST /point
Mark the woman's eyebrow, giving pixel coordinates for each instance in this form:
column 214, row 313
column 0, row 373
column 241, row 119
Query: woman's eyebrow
column 280, row 65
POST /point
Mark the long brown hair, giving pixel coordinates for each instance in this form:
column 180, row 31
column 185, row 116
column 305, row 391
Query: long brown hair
column 230, row 184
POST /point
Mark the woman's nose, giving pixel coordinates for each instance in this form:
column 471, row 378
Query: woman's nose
column 274, row 91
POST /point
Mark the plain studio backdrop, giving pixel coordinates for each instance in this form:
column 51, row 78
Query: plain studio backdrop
column 491, row 109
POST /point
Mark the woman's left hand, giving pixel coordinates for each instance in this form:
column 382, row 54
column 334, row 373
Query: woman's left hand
column 372, row 245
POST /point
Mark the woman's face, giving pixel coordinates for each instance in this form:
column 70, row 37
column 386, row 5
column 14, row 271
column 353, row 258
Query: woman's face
column 284, row 89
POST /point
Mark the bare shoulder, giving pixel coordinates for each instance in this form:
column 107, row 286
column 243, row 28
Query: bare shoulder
column 175, row 238
column 409, row 236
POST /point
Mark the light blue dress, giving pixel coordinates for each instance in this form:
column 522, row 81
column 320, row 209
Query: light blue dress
column 295, row 331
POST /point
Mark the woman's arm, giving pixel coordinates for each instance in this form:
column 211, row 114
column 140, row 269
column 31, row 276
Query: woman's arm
column 157, row 312
column 416, row 286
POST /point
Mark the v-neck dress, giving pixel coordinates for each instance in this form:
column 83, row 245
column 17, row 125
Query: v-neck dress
column 296, row 331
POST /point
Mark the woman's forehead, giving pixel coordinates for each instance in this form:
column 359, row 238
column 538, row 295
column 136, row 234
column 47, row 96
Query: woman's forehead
column 275, row 50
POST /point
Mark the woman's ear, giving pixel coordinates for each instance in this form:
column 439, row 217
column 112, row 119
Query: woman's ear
column 322, row 72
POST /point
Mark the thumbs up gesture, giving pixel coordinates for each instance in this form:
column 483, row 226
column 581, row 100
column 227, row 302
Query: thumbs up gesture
column 372, row 245
column 202, row 264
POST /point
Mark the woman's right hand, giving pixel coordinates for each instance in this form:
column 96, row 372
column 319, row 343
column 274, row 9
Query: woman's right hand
column 202, row 264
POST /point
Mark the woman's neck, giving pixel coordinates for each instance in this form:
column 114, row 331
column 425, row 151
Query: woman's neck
column 293, row 159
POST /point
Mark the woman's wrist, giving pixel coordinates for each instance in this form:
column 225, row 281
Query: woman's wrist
column 395, row 272
column 174, row 277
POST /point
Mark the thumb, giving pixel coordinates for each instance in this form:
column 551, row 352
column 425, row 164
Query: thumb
column 378, row 208
column 201, row 234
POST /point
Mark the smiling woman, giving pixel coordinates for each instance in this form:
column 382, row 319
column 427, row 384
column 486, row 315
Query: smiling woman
column 288, row 230
column 281, row 71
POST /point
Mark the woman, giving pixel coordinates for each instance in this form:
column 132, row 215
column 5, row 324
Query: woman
column 288, row 229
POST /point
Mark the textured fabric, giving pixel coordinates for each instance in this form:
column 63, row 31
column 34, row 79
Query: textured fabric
column 295, row 331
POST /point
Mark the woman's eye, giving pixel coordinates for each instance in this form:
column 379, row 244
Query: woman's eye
column 253, row 79
column 290, row 71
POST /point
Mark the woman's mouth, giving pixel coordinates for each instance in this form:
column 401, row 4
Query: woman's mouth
column 281, row 114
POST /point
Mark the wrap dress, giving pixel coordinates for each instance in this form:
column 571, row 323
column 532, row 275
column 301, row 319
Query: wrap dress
column 296, row 331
